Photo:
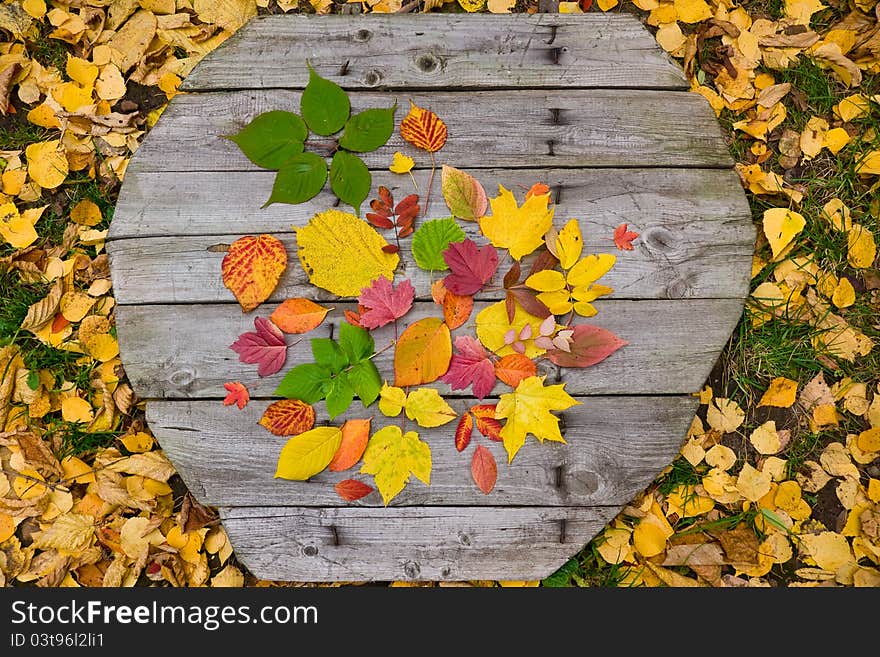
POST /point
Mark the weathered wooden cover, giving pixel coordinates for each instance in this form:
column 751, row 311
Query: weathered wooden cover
column 588, row 104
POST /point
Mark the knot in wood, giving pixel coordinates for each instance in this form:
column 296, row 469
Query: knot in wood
column 362, row 36
column 411, row 569
column 310, row 551
column 182, row 377
column 373, row 78
column 678, row 288
column 661, row 239
column 464, row 539
column 585, row 481
column 428, row 62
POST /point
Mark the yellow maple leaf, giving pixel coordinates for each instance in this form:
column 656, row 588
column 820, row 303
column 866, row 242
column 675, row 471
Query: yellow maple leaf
column 401, row 163
column 47, row 164
column 306, row 454
column 391, row 456
column 527, row 410
column 520, row 229
column 781, row 225
column 428, row 408
column 16, row 228
column 342, row 253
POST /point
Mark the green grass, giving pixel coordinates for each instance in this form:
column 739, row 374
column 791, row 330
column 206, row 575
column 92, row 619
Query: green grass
column 49, row 52
column 18, row 134
column 681, row 473
column 819, row 88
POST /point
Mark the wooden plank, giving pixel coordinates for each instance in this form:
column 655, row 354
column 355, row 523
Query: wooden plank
column 571, row 128
column 182, row 351
column 696, row 202
column 438, row 51
column 437, row 543
column 615, row 447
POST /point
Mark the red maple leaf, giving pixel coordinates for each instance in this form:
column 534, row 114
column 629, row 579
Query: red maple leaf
column 472, row 267
column 265, row 347
column 470, row 366
column 623, row 238
column 384, row 303
column 238, row 394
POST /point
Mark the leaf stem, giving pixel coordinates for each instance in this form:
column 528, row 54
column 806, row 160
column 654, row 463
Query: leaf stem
column 430, row 184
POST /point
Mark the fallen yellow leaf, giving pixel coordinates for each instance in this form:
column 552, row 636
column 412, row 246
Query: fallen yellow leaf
column 781, row 393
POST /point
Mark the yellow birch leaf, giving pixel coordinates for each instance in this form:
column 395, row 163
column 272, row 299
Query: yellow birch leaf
column 670, row 37
column 569, row 243
column 343, row 254
column 391, row 400
column 765, row 438
column 401, row 163
column 428, row 408
column 844, row 294
column 15, row 228
column 7, row 526
column 782, row 393
column 721, row 457
column 81, row 70
column 869, row 440
column 520, row 229
column 47, row 164
column 527, row 411
column 861, row 248
column 72, row 96
column 835, row 139
column 76, row 409
column 75, row 305
column 649, row 538
column 34, row 8
column 391, row 456
column 852, row 107
column 781, row 225
column 692, row 11
column 138, row 442
column 605, row 5
column 725, row 415
column 77, row 471
column 306, row 454
column 869, row 163
column 802, row 10
column 44, row 116
column 86, row 213
column 500, row 6
column 828, row 550
column 101, row 346
column 615, row 545
column 813, row 137
column 752, row 483
column 13, row 180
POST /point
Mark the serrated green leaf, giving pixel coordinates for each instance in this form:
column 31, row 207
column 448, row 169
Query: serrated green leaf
column 324, row 105
column 304, row 382
column 272, row 138
column 350, row 179
column 329, row 354
column 431, row 239
column 356, row 342
column 366, row 381
column 339, row 395
column 368, row 130
column 308, row 453
column 299, row 179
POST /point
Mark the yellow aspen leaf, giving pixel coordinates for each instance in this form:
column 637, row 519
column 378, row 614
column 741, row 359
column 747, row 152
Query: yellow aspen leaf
column 781, row 225
column 813, row 137
column 423, row 352
column 765, row 439
column 47, row 164
column 401, row 163
column 500, row 6
column 782, row 393
column 868, row 164
column 725, row 415
column 252, row 268
column 852, row 107
column 86, row 213
column 44, row 116
column 81, row 70
column 802, row 10
column 721, row 457
column 229, row 577
column 528, row 411
column 138, row 443
column 7, row 526
column 77, row 471
column 869, row 440
column 76, row 409
column 493, row 324
column 27, row 485
column 343, row 254
column 15, row 228
column 649, row 538
column 692, row 11
column 752, row 484
column 825, row 415
column 670, row 37
column 844, row 294
column 615, row 545
column 520, row 229
column 687, row 503
column 835, row 139
column 308, row 453
column 391, row 400
column 110, row 85
column 34, row 8
column 392, row 456
column 828, row 550
column 471, row 6
column 861, row 248
column 13, row 180
column 75, row 305
column 428, row 408
column 101, row 346
column 72, row 96
column 874, row 490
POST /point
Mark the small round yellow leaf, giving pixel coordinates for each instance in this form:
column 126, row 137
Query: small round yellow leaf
column 47, row 164
column 781, row 393
column 7, row 526
column 28, row 486
column 101, row 346
column 77, row 471
column 765, row 439
column 649, row 539
column 138, row 442
column 844, row 294
column 76, row 409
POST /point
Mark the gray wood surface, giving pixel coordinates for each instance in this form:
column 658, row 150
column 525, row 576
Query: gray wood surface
column 227, row 458
column 183, row 351
column 475, row 51
column 422, row 543
column 487, row 129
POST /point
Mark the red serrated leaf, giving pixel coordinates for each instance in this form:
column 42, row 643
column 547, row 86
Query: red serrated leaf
column 589, row 345
column 470, row 366
column 530, row 303
column 386, row 196
column 385, row 303
column 472, row 266
column 484, row 415
column 391, row 248
column 352, row 490
column 252, row 267
column 423, row 129
column 238, row 394
column 463, row 432
column 265, row 347
column 623, row 238
column 511, row 278
column 513, row 368
column 379, row 220
column 288, row 417
column 484, row 469
column 355, row 434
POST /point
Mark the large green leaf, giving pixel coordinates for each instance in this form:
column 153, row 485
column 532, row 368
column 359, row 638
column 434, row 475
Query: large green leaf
column 272, row 138
column 350, row 179
column 299, row 179
column 304, row 382
column 368, row 130
column 339, row 394
column 329, row 354
column 366, row 381
column 356, row 342
column 324, row 105
column 431, row 239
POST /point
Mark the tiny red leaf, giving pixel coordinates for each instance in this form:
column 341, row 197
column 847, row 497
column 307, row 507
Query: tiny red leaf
column 379, row 220
column 511, row 278
column 352, row 490
column 386, row 196
column 623, row 238
column 510, row 305
column 484, row 469
column 380, row 207
column 238, row 394
column 538, row 189
column 59, row 323
column 352, row 318
column 407, row 202
column 406, row 232
column 391, row 248
column 463, row 432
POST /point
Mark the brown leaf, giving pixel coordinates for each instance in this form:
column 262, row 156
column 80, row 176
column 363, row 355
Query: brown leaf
column 38, row 454
column 740, row 544
column 41, row 312
column 124, row 398
column 193, row 516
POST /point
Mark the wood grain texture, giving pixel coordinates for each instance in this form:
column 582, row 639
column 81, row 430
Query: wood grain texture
column 438, row 51
column 528, row 128
column 428, row 543
column 182, row 351
column 616, row 446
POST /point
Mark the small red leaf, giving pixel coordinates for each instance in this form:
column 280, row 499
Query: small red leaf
column 379, row 220
column 463, row 432
column 589, row 345
column 352, row 318
column 406, row 232
column 59, row 323
column 380, row 207
column 511, row 278
column 386, row 196
column 538, row 189
column 238, row 394
column 486, row 422
column 623, row 238
column 390, row 248
column 470, row 365
column 484, row 469
column 352, row 490
column 265, row 347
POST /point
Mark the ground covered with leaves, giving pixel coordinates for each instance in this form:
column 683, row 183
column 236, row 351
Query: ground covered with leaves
column 778, row 481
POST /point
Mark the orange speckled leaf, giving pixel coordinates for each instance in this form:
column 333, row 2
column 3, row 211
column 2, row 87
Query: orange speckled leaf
column 513, row 368
column 298, row 315
column 423, row 129
column 486, row 422
column 463, row 432
column 355, row 434
column 288, row 417
column 423, row 353
column 252, row 267
column 457, row 309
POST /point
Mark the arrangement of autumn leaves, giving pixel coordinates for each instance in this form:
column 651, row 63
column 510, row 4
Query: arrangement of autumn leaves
column 348, row 257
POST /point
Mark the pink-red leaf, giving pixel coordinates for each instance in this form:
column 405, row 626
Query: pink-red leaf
column 472, row 267
column 384, row 303
column 463, row 432
column 484, row 415
column 623, row 238
column 352, row 490
column 589, row 345
column 238, row 394
column 484, row 469
column 470, row 365
column 264, row 347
